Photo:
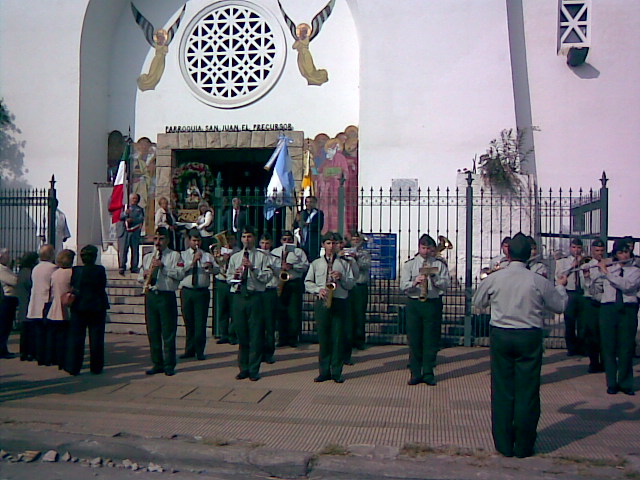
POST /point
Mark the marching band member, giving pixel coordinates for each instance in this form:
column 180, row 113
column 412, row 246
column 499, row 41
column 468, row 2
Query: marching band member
column 424, row 279
column 223, row 322
column 270, row 301
column 535, row 262
column 618, row 317
column 359, row 296
column 195, row 295
column 592, row 298
column 162, row 271
column 330, row 278
column 293, row 261
column 251, row 273
column 573, row 314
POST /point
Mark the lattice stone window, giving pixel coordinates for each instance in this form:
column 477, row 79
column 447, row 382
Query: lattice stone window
column 232, row 53
column 574, row 28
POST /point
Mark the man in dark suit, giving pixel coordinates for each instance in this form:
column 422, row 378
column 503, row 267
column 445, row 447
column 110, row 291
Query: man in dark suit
column 310, row 222
column 128, row 229
column 235, row 219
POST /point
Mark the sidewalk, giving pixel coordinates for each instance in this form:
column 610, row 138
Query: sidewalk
column 373, row 415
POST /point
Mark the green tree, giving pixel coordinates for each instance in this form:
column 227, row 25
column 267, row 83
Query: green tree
column 12, row 169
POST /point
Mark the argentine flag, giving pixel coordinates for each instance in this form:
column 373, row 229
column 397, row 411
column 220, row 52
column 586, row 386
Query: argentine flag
column 280, row 189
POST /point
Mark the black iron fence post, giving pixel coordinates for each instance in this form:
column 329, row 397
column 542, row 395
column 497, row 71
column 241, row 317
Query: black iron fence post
column 604, row 208
column 52, row 207
column 468, row 281
column 217, row 202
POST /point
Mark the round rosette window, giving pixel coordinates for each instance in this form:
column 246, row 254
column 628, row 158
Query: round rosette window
column 232, row 53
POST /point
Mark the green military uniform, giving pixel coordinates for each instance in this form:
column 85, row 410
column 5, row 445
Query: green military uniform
column 161, row 309
column 246, row 310
column 330, row 322
column 424, row 318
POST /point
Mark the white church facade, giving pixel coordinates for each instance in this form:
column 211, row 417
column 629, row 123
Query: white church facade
column 415, row 88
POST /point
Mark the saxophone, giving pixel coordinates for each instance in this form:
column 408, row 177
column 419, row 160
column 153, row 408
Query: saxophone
column 284, row 275
column 330, row 285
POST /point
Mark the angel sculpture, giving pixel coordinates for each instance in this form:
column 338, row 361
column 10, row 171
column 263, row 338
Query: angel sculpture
column 303, row 34
column 158, row 39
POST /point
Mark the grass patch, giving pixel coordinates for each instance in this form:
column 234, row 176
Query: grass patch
column 415, row 450
column 334, row 449
column 592, row 462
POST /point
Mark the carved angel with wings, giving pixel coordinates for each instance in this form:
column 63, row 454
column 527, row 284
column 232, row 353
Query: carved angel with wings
column 303, row 34
column 158, row 39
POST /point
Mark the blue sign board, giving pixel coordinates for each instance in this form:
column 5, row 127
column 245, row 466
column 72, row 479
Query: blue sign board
column 384, row 251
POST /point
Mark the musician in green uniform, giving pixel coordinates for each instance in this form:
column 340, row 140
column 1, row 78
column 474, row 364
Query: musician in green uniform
column 424, row 279
column 329, row 279
column 162, row 271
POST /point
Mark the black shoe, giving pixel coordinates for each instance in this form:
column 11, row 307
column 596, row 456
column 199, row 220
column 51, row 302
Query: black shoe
column 201, row 356
column 121, row 272
column 154, row 370
column 270, row 360
column 8, row 355
column 348, row 362
column 293, row 344
column 135, row 270
column 255, row 378
column 282, row 344
column 431, row 381
column 233, row 342
column 222, row 341
column 187, row 355
column 339, row 379
column 595, row 369
column 414, row 381
column 242, row 375
column 169, row 372
column 628, row 391
column 612, row 391
column 321, row 378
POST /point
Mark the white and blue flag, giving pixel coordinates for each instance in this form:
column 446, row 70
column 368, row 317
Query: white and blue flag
column 280, row 189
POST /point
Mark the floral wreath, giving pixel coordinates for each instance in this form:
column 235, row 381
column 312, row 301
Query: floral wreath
column 183, row 175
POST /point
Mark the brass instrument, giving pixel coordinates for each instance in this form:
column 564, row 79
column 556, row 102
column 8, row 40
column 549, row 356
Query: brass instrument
column 147, row 283
column 330, row 285
column 581, row 266
column 443, row 244
column 424, row 286
column 284, row 276
column 214, row 249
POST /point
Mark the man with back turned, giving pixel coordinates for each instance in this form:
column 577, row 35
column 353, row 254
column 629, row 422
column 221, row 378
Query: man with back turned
column 517, row 297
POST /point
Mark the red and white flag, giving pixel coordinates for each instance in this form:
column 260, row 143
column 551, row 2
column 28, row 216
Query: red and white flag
column 118, row 199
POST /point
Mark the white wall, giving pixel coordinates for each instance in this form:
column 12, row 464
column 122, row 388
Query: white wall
column 39, row 81
column 589, row 116
column 435, row 87
column 313, row 109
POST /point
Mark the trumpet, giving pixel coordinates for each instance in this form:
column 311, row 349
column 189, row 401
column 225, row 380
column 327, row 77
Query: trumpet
column 581, row 266
column 443, row 244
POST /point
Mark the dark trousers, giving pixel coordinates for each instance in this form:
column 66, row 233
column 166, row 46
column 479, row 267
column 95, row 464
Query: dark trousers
column 129, row 240
column 248, row 322
column 516, row 359
column 55, row 350
column 331, row 335
column 592, row 332
column 223, row 326
column 617, row 337
column 161, row 315
column 424, row 325
column 41, row 340
column 290, row 306
column 28, row 340
column 359, row 297
column 8, row 306
column 270, row 300
column 195, row 311
column 574, row 323
column 80, row 322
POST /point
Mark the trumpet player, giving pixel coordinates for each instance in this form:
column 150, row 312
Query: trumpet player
column 359, row 296
column 223, row 328
column 574, row 313
column 162, row 271
column 535, row 263
column 424, row 279
column 618, row 317
column 195, row 295
column 329, row 279
column 251, row 273
column 593, row 288
column 293, row 265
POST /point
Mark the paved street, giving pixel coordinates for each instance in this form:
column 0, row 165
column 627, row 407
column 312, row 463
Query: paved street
column 374, row 414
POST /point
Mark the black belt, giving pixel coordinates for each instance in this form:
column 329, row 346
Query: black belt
column 162, row 292
column 196, row 288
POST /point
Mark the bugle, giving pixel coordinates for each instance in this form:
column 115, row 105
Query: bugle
column 424, row 286
column 330, row 285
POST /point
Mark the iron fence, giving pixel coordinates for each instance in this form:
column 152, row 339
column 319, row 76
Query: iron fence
column 25, row 216
column 474, row 218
